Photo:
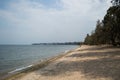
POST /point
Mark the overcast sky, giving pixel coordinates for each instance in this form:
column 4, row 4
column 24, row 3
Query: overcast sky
column 37, row 21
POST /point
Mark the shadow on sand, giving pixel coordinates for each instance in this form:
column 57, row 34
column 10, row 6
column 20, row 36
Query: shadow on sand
column 98, row 48
column 103, row 67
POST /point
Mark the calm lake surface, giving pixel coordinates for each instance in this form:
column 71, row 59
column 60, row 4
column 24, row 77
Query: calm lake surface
column 15, row 57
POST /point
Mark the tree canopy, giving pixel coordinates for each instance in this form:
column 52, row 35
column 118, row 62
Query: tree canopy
column 108, row 30
column 115, row 2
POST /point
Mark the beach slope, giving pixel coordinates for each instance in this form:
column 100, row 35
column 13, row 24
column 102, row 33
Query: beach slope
column 84, row 63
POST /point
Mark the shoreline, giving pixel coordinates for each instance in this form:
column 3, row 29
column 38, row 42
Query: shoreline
column 83, row 63
column 35, row 66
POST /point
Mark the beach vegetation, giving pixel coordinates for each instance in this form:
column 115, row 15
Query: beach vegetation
column 107, row 31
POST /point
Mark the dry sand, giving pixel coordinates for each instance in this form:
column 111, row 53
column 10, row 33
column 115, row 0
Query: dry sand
column 84, row 63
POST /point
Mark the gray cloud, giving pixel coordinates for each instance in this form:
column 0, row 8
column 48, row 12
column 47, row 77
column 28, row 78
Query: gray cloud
column 31, row 22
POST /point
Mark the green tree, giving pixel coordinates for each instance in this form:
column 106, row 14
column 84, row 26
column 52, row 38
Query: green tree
column 107, row 31
column 115, row 2
column 112, row 24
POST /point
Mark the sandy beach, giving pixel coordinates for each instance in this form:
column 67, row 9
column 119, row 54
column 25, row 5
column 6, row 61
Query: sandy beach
column 84, row 63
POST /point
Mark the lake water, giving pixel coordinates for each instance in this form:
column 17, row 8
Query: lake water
column 16, row 57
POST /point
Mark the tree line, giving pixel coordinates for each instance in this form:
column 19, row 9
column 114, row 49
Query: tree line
column 59, row 43
column 107, row 31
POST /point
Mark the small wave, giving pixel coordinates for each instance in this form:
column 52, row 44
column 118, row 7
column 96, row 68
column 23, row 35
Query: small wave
column 20, row 69
column 66, row 51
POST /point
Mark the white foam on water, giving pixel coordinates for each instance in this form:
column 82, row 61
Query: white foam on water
column 67, row 51
column 19, row 69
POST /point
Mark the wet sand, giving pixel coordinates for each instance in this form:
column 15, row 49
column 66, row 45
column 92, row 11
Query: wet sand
column 84, row 63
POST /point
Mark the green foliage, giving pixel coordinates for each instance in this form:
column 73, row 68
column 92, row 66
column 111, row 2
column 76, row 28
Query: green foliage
column 115, row 2
column 112, row 24
column 108, row 30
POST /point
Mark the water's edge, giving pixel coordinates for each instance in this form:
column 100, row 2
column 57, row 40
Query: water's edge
column 24, row 70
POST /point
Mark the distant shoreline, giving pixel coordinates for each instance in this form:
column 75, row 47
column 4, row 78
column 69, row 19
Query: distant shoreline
column 58, row 43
